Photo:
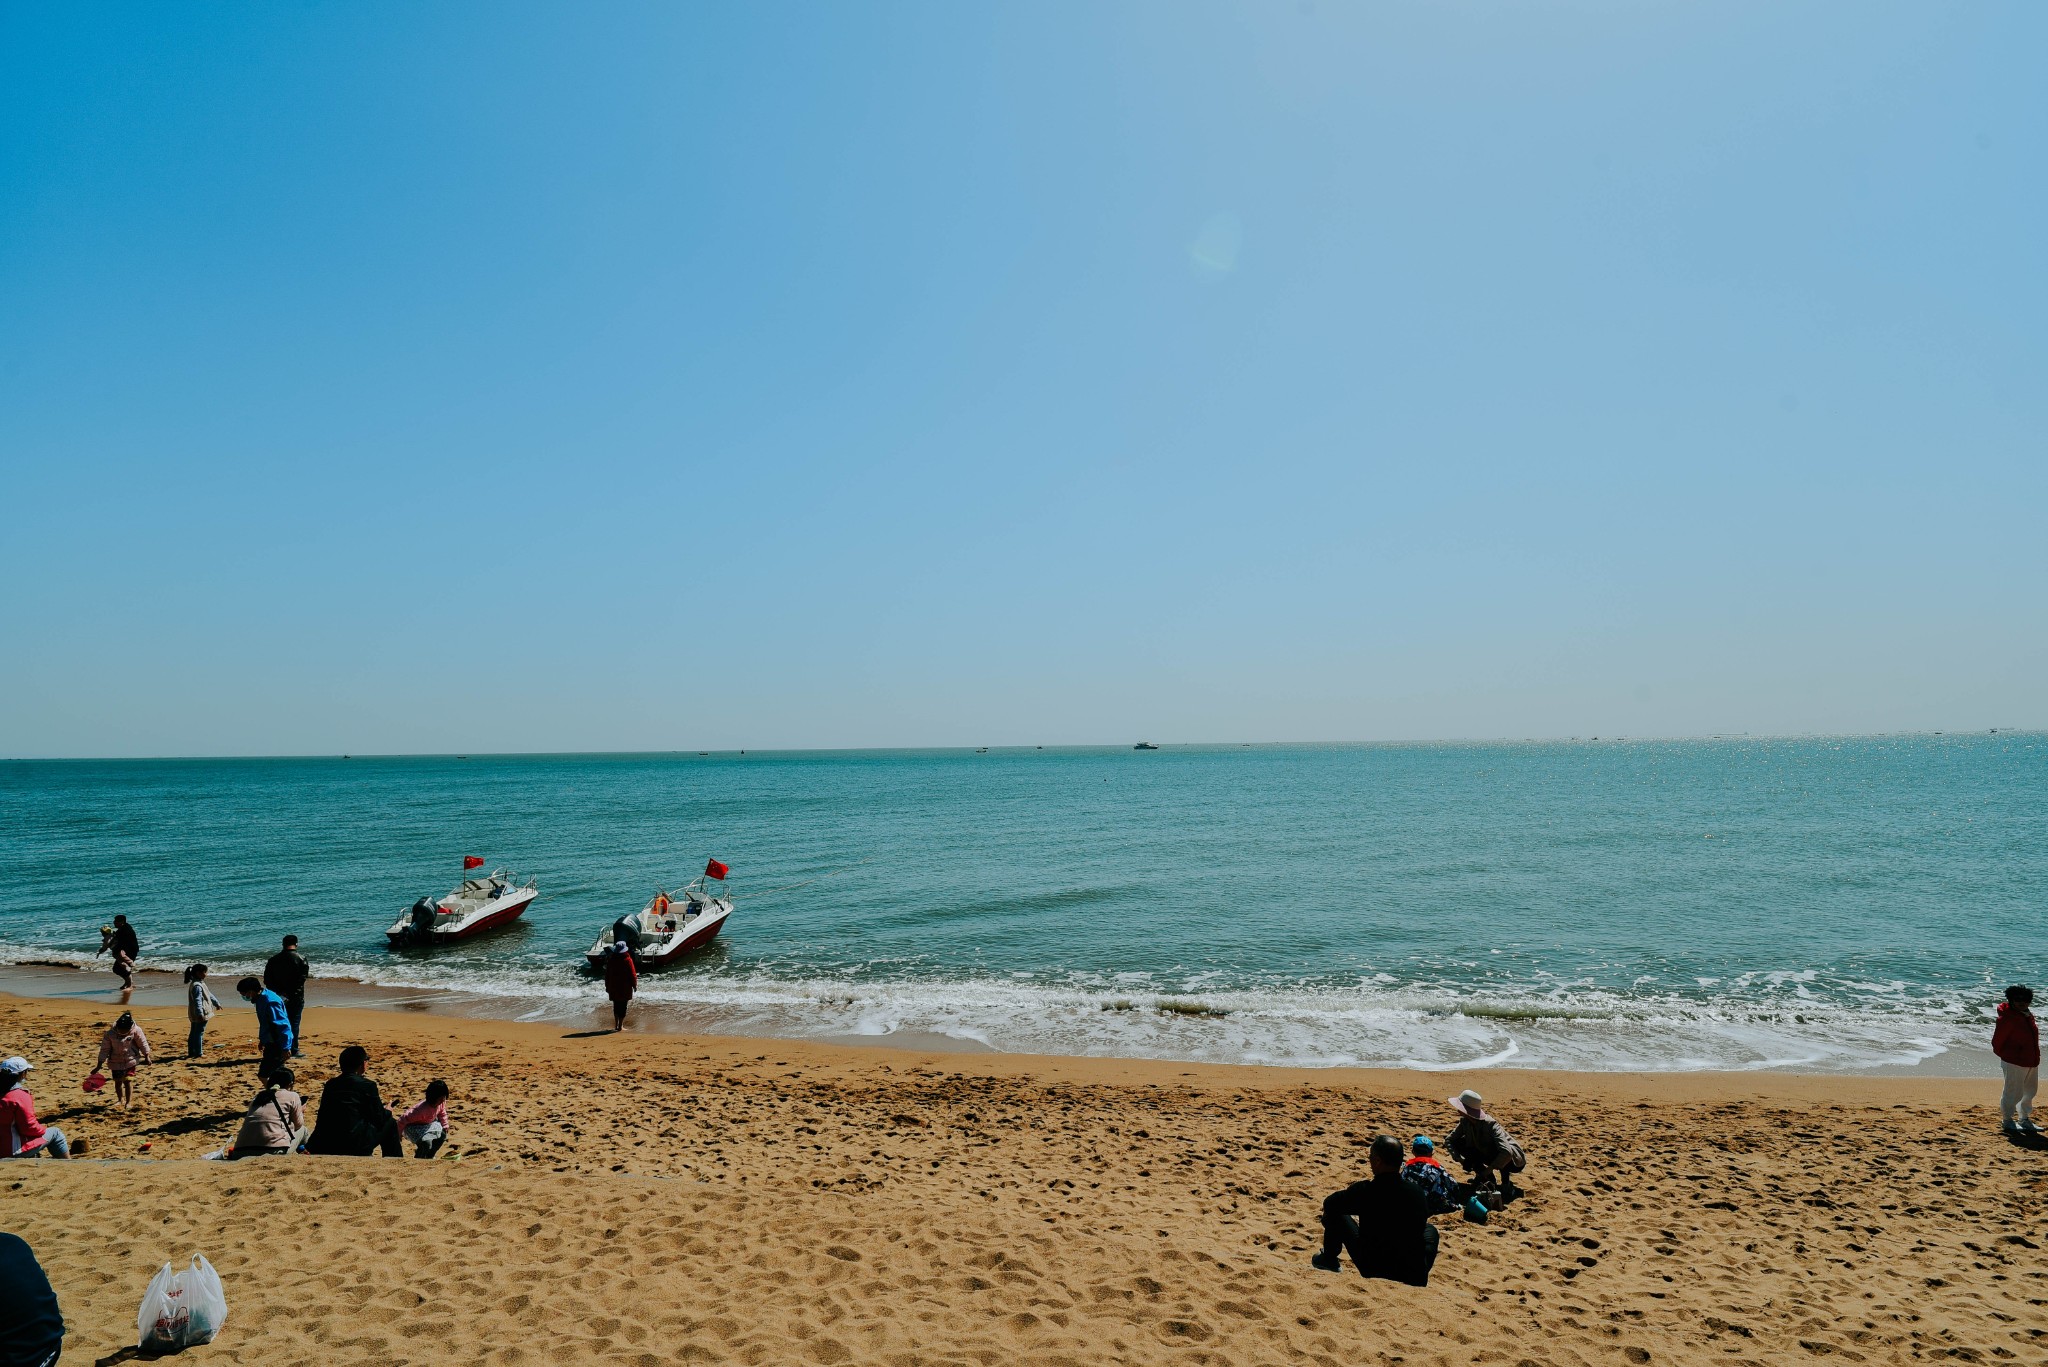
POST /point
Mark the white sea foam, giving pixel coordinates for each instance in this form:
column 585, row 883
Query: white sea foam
column 1765, row 1020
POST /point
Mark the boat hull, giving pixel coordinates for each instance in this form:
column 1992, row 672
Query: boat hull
column 696, row 935
column 499, row 914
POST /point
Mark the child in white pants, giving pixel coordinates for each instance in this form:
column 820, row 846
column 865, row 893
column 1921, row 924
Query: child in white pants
column 2017, row 1042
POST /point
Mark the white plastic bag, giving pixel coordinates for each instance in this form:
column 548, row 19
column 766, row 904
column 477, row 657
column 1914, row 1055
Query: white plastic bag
column 181, row 1309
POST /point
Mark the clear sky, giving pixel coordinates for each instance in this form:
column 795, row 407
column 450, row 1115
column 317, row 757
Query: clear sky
column 427, row 377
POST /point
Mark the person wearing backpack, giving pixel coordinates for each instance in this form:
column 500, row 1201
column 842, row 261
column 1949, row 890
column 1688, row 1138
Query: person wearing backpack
column 276, row 1122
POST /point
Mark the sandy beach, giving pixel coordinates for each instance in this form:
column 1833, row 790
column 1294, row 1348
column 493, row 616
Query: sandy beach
column 646, row 1198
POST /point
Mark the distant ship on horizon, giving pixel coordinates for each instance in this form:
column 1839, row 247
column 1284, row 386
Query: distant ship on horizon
column 1144, row 745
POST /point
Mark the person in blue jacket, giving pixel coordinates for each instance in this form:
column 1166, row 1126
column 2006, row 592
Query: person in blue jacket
column 273, row 1025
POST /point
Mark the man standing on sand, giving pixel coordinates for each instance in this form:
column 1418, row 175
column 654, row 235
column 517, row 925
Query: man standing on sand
column 273, row 1026
column 1383, row 1224
column 286, row 975
column 1484, row 1145
column 2017, row 1042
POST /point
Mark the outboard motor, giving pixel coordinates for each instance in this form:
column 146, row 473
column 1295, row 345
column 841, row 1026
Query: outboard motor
column 626, row 933
column 423, row 913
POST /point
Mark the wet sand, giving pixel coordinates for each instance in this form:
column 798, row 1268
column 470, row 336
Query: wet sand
column 645, row 1198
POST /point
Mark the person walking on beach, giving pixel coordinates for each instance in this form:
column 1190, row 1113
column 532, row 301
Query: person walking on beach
column 353, row 1120
column 621, row 980
column 286, row 975
column 200, row 1004
column 2016, row 1039
column 1483, row 1145
column 276, row 1120
column 120, row 939
column 23, row 1134
column 273, row 1026
column 123, row 1049
column 1383, row 1224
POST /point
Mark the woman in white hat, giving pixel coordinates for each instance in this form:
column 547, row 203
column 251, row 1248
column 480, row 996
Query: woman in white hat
column 21, row 1134
column 1483, row 1144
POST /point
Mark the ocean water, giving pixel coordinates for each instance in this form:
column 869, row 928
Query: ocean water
column 1814, row 903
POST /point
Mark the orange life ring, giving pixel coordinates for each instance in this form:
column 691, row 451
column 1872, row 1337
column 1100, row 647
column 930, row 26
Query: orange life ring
column 661, row 904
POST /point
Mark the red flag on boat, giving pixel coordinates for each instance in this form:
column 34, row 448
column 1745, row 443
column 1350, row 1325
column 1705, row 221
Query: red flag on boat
column 714, row 869
column 472, row 861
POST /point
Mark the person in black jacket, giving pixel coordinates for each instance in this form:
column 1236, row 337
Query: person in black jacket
column 1383, row 1224
column 286, row 974
column 353, row 1119
column 31, row 1324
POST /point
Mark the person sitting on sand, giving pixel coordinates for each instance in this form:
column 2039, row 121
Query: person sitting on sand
column 353, row 1119
column 425, row 1126
column 621, row 980
column 1483, row 1145
column 273, row 1026
column 1383, row 1224
column 31, row 1322
column 21, row 1133
column 276, row 1121
column 2017, row 1042
column 1439, row 1189
column 123, row 1049
column 200, row 1004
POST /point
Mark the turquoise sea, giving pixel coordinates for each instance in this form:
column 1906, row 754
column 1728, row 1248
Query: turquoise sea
column 1815, row 903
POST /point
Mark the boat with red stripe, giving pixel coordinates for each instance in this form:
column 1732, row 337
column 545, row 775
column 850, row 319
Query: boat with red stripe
column 478, row 904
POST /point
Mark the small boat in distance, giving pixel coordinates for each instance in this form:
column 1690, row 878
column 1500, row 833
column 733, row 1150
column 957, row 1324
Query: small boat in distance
column 1144, row 745
column 669, row 926
column 476, row 905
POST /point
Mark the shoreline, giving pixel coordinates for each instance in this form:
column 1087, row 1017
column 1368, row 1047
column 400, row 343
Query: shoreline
column 649, row 1197
column 60, row 981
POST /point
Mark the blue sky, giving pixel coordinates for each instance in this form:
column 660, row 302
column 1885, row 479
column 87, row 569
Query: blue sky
column 519, row 377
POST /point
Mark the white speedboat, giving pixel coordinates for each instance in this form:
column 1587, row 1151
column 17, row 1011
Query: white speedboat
column 669, row 927
column 475, row 906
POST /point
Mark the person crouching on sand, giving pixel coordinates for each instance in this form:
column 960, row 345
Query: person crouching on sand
column 1483, row 1145
column 621, row 980
column 123, row 1049
column 425, row 1126
column 1439, row 1189
column 2017, row 1042
column 1383, row 1224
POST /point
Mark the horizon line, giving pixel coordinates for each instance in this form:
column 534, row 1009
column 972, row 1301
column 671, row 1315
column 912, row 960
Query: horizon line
column 1061, row 745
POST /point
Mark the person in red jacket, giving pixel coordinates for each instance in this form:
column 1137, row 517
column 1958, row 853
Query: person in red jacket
column 21, row 1134
column 621, row 977
column 2017, row 1042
